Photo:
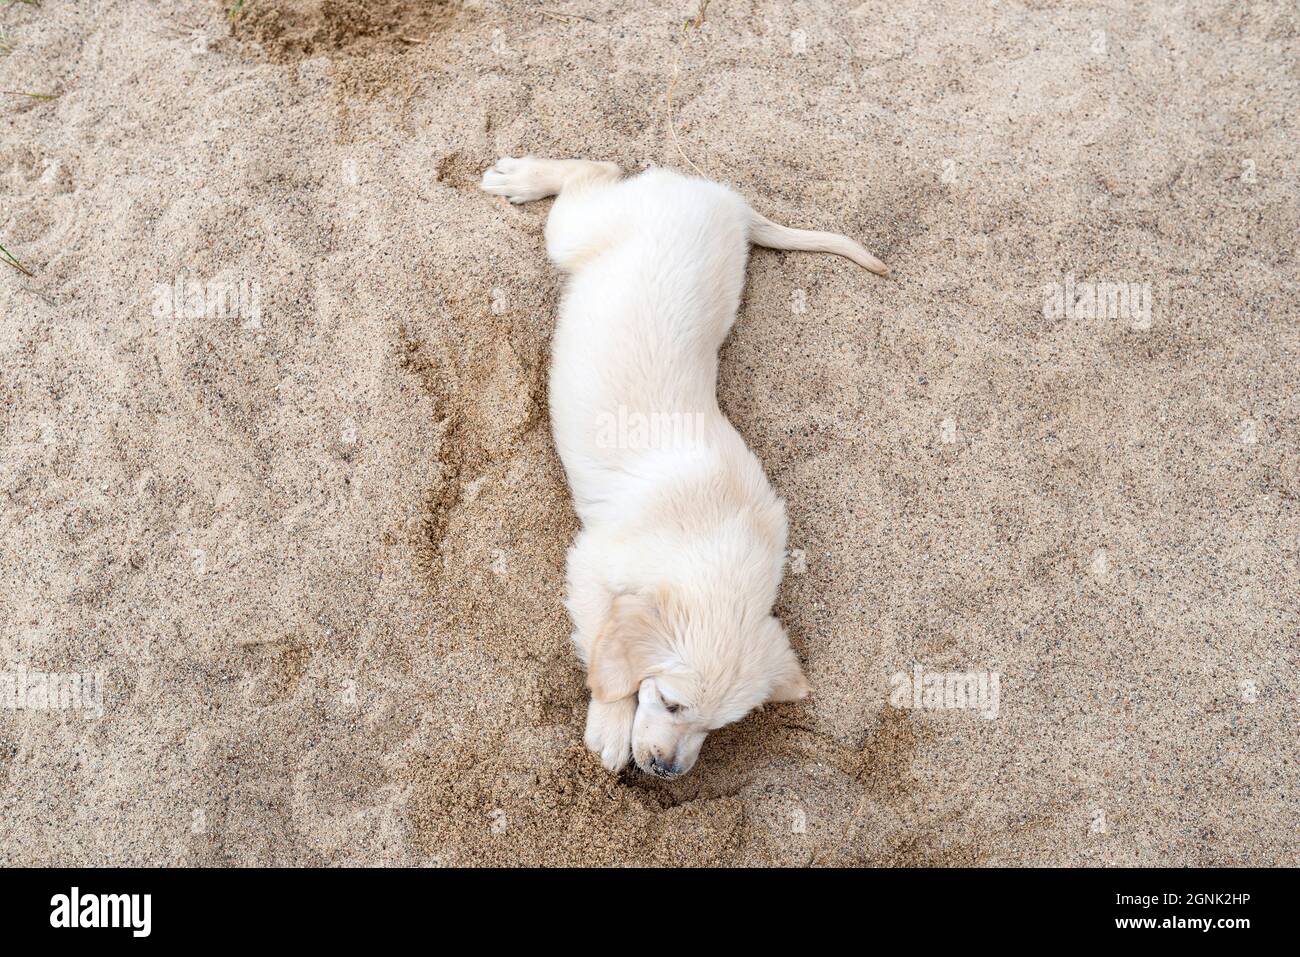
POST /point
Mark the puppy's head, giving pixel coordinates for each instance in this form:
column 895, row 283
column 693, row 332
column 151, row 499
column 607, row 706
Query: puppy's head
column 695, row 662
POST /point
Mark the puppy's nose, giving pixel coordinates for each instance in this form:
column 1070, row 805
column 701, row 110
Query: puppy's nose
column 663, row 769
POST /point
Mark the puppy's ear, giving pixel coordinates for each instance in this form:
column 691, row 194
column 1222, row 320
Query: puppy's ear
column 624, row 650
column 788, row 682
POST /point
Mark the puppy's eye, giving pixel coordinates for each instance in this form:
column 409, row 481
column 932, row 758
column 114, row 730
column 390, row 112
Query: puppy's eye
column 669, row 706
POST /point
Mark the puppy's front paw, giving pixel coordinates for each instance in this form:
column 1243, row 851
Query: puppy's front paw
column 609, row 731
column 518, row 180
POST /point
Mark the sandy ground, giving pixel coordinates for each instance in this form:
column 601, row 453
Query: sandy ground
column 312, row 541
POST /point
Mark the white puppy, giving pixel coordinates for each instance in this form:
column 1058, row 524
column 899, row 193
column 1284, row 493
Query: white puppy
column 672, row 579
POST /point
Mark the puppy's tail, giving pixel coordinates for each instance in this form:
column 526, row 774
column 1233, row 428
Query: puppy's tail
column 764, row 232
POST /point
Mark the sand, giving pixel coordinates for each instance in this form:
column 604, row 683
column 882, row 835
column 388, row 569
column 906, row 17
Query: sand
column 313, row 542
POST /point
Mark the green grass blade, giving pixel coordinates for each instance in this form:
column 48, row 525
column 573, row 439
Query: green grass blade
column 8, row 257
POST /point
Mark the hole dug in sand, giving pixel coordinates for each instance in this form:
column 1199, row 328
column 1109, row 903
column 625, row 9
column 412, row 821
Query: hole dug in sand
column 288, row 31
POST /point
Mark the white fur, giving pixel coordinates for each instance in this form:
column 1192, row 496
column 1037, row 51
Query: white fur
column 672, row 578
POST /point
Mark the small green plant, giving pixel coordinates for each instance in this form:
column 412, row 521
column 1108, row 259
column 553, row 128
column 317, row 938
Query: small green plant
column 6, row 44
column 34, row 96
column 697, row 21
column 7, row 256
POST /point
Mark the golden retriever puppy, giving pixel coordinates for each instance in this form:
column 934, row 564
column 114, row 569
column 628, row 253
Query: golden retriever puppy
column 671, row 581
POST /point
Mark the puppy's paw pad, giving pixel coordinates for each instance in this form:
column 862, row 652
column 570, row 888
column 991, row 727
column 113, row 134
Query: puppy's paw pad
column 614, row 750
column 609, row 733
column 614, row 757
column 515, row 179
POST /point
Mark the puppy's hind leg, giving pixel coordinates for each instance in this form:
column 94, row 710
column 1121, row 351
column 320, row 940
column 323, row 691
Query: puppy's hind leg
column 524, row 180
column 578, row 226
column 609, row 731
